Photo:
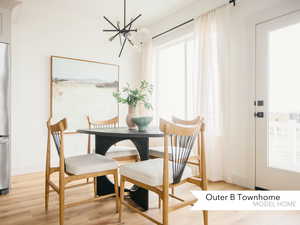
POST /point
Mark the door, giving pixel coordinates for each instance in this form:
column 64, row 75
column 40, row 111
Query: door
column 4, row 165
column 4, row 87
column 278, row 103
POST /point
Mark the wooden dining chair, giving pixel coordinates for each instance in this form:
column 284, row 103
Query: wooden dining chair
column 196, row 160
column 74, row 168
column 158, row 175
column 158, row 151
column 119, row 153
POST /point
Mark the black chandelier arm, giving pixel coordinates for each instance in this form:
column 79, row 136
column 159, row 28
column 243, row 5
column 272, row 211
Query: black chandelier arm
column 132, row 21
column 121, row 31
column 130, row 41
column 113, row 37
column 110, row 22
column 120, row 38
column 129, row 38
column 126, row 38
column 124, row 42
column 125, row 31
column 124, row 13
column 110, row 30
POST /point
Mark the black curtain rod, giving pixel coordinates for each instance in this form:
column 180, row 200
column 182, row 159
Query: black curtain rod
column 173, row 28
column 184, row 23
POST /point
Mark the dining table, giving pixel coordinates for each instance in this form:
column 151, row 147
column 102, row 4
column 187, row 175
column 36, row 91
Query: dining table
column 106, row 138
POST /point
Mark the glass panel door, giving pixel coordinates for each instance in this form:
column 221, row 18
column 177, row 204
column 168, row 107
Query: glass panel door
column 284, row 98
column 278, row 103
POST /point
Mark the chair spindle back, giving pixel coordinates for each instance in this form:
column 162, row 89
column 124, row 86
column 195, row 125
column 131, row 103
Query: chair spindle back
column 182, row 139
column 112, row 123
column 56, row 130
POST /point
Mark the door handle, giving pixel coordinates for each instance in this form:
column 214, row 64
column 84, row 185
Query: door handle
column 259, row 103
column 259, row 114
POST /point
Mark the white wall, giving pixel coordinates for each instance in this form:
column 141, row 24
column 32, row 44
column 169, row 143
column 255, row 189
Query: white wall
column 239, row 158
column 41, row 28
column 5, row 16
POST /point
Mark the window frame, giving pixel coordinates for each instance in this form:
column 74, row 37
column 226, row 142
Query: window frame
column 182, row 39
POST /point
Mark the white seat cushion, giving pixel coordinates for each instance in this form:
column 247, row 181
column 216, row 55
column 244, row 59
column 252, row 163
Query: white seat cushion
column 158, row 152
column 150, row 172
column 89, row 163
column 121, row 151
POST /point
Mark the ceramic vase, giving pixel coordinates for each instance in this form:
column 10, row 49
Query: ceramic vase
column 131, row 113
column 142, row 122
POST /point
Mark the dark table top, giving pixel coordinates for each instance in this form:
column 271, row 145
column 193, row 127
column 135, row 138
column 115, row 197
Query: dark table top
column 122, row 132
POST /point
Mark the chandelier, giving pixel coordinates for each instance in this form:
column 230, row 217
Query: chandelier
column 124, row 32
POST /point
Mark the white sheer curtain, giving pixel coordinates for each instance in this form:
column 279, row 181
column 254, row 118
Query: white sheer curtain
column 147, row 70
column 147, row 61
column 209, row 85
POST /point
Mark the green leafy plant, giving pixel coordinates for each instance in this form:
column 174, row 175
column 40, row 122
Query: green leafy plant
column 133, row 96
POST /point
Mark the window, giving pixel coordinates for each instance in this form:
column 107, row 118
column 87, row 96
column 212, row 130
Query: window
column 173, row 73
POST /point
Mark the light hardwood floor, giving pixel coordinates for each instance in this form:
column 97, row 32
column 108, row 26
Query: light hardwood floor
column 25, row 206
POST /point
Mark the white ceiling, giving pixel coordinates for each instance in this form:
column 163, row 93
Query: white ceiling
column 8, row 4
column 152, row 10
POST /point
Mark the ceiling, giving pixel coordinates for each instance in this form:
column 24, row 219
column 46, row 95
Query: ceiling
column 152, row 10
column 8, row 4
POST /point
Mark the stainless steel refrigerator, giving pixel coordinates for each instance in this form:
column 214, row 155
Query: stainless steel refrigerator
column 4, row 119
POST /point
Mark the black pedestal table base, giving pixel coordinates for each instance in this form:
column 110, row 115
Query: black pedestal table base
column 107, row 137
column 105, row 186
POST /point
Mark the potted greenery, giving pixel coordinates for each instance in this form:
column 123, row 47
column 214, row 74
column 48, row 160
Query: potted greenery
column 134, row 96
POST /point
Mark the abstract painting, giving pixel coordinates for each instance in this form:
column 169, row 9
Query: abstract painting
column 80, row 88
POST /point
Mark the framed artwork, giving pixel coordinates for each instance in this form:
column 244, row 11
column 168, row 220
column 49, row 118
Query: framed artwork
column 80, row 88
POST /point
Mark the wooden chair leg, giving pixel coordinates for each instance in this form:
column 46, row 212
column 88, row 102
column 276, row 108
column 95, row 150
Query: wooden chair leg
column 166, row 207
column 47, row 175
column 61, row 205
column 61, row 196
column 47, row 192
column 205, row 217
column 159, row 202
column 122, row 185
column 116, row 185
column 95, row 187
